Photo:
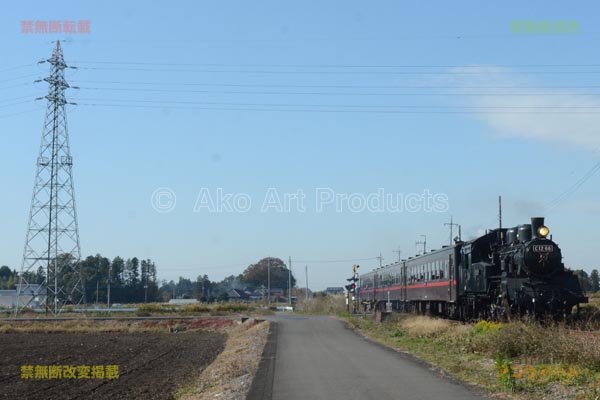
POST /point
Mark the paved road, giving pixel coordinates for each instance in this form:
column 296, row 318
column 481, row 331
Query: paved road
column 320, row 358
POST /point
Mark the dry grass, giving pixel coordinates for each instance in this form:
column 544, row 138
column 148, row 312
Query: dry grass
column 549, row 360
column 76, row 326
column 421, row 326
column 91, row 326
column 230, row 376
column 533, row 343
column 328, row 305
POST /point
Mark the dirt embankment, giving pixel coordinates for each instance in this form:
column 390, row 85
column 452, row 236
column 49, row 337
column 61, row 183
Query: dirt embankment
column 230, row 376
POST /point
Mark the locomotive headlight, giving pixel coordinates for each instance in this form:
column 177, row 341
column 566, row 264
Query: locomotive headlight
column 543, row 231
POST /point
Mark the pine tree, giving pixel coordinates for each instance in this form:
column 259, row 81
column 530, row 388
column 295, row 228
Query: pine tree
column 594, row 281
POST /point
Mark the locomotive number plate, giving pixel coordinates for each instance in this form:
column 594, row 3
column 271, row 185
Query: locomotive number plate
column 543, row 248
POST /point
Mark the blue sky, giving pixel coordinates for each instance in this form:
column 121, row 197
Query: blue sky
column 247, row 96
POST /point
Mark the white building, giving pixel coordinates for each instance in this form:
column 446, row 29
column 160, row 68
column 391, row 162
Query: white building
column 33, row 296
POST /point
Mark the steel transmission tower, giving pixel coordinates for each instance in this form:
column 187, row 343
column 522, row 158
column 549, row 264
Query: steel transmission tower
column 52, row 247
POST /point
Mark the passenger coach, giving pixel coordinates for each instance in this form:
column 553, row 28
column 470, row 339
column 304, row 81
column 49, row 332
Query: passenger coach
column 421, row 284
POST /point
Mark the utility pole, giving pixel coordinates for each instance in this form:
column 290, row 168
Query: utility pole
column 146, row 286
column 290, row 281
column 423, row 242
column 399, row 253
column 380, row 259
column 52, row 240
column 500, row 211
column 500, row 235
column 451, row 224
column 306, row 272
column 108, row 297
column 269, row 281
column 97, row 288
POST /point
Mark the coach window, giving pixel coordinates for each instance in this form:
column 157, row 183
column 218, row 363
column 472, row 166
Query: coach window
column 432, row 270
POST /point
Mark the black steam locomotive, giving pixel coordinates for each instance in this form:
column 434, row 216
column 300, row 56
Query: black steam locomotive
column 506, row 272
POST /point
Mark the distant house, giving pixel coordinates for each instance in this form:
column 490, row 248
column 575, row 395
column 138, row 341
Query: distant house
column 334, row 290
column 183, row 301
column 237, row 295
column 257, row 295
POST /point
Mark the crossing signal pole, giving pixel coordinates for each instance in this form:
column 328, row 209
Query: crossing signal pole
column 351, row 289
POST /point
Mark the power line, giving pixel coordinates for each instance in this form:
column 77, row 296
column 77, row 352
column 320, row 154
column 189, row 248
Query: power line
column 14, row 86
column 16, row 103
column 19, row 77
column 16, row 67
column 18, row 113
column 342, row 93
column 17, row 98
column 343, row 65
column 214, row 267
column 333, row 105
column 339, row 86
column 335, row 261
column 166, row 106
column 339, row 72
column 572, row 189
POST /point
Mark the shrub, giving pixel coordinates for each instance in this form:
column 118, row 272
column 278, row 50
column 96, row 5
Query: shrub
column 145, row 310
column 232, row 307
column 506, row 375
column 483, row 327
column 196, row 308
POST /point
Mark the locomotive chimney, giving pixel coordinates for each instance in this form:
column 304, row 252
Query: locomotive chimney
column 536, row 223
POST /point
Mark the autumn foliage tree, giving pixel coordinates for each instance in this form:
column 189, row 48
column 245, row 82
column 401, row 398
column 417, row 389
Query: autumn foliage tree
column 256, row 275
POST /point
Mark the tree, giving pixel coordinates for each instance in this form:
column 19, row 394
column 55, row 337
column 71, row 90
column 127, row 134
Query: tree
column 584, row 280
column 8, row 278
column 95, row 273
column 117, row 280
column 594, row 281
column 185, row 288
column 202, row 288
column 132, row 280
column 148, row 286
column 223, row 297
column 5, row 272
column 256, row 275
column 167, row 290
